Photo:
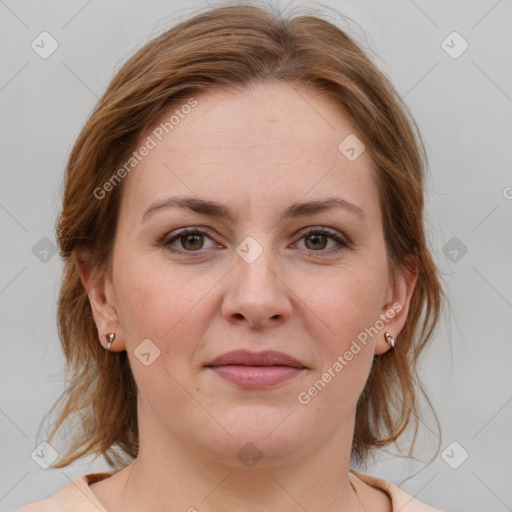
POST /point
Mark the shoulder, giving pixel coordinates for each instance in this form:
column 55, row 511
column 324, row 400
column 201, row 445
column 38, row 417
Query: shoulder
column 76, row 496
column 400, row 500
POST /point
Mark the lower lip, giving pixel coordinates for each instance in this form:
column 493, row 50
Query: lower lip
column 257, row 376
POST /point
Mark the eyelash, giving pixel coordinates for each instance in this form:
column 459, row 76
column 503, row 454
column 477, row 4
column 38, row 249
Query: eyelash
column 167, row 240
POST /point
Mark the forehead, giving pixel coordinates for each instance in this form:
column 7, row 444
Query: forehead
column 264, row 116
column 274, row 141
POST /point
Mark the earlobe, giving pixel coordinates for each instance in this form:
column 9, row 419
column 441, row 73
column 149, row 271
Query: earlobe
column 396, row 310
column 97, row 285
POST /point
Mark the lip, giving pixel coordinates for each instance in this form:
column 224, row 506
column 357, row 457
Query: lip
column 256, row 369
column 248, row 358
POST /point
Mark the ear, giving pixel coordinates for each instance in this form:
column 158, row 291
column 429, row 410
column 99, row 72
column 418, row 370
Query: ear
column 397, row 304
column 100, row 291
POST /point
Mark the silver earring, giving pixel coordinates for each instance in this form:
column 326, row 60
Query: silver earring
column 110, row 338
column 389, row 339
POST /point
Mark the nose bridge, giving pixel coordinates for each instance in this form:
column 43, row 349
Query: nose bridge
column 256, row 292
column 256, row 271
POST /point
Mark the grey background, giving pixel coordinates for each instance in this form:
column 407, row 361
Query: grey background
column 464, row 108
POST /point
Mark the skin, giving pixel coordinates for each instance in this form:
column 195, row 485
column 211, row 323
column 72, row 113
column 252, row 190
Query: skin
column 257, row 151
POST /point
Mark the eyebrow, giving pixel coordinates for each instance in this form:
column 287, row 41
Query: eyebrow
column 224, row 212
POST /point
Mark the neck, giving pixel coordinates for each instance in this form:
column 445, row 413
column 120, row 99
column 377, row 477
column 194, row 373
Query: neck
column 189, row 478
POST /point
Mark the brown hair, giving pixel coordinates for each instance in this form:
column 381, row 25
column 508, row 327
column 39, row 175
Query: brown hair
column 236, row 46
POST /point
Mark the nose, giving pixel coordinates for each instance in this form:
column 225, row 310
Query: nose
column 256, row 293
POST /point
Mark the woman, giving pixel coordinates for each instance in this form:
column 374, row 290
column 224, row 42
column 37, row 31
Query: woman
column 247, row 284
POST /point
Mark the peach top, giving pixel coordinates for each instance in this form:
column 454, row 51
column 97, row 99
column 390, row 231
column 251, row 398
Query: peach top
column 77, row 496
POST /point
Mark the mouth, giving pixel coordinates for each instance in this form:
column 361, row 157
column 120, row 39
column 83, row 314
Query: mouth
column 256, row 369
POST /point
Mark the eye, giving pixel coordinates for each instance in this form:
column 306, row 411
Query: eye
column 188, row 240
column 192, row 240
column 317, row 240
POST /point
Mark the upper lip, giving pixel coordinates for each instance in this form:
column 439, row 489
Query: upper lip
column 248, row 358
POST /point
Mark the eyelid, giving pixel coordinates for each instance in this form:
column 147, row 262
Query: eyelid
column 342, row 240
column 191, row 230
column 326, row 231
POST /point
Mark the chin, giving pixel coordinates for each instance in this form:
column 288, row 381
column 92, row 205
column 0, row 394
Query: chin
column 257, row 432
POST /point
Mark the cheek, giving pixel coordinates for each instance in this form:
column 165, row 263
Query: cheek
column 344, row 307
column 345, row 302
column 161, row 304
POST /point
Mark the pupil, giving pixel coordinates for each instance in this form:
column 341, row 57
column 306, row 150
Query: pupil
column 196, row 238
column 189, row 237
column 316, row 239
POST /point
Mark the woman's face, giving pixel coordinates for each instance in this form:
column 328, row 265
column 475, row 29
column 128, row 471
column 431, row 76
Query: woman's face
column 310, row 282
